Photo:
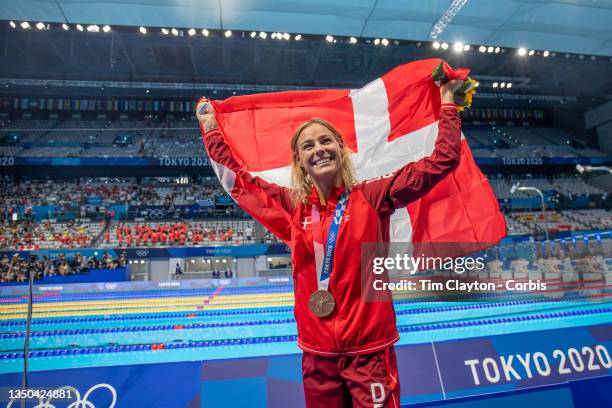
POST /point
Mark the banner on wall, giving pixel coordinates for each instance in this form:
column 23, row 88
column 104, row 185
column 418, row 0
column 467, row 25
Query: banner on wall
column 10, row 161
column 512, row 367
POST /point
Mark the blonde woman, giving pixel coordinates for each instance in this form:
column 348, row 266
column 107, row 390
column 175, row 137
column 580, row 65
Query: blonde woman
column 348, row 358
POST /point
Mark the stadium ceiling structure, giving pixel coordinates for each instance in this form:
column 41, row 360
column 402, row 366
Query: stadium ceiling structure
column 575, row 26
column 552, row 53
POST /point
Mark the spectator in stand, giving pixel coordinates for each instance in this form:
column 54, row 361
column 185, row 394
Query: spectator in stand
column 123, row 259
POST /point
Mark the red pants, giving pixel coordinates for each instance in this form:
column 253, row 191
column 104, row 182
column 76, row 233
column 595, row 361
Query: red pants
column 368, row 380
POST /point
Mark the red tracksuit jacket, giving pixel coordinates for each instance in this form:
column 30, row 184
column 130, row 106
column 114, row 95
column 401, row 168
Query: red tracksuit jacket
column 355, row 327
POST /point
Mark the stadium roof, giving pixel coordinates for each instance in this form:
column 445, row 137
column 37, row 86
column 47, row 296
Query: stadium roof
column 576, row 26
column 61, row 52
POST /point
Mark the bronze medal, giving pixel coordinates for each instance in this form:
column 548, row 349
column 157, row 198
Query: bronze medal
column 321, row 303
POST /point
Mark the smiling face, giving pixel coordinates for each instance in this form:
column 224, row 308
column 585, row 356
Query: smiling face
column 319, row 153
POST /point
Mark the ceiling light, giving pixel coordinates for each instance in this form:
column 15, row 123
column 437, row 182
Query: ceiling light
column 494, row 84
column 263, row 35
column 329, row 38
column 25, row 25
column 531, row 52
column 79, row 27
column 12, row 24
column 174, row 32
column 502, row 85
column 509, row 85
column 191, row 32
column 143, row 30
column 482, row 48
column 436, row 45
column 458, row 47
column 40, row 26
column 66, row 27
column 467, row 47
column 490, row 49
column 353, row 40
column 377, row 41
column 384, row 42
column 273, row 35
column 165, row 31
column 253, row 34
column 444, row 46
column 286, row 36
column 497, row 50
column 522, row 52
column 93, row 28
column 205, row 32
column 106, row 28
column 228, row 33
column 298, row 37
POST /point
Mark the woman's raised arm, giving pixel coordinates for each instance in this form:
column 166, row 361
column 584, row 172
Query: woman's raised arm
column 267, row 202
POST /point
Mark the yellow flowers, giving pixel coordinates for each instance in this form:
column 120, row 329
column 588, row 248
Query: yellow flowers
column 463, row 94
column 465, row 97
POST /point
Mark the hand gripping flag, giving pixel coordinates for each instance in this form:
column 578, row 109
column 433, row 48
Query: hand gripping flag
column 388, row 123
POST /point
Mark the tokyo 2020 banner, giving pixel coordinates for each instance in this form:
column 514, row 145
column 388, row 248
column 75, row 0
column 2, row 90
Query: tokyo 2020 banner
column 561, row 368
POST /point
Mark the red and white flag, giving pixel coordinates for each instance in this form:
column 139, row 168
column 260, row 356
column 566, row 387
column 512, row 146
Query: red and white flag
column 388, row 123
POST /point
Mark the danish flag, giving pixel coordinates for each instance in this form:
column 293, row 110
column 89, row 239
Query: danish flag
column 388, row 123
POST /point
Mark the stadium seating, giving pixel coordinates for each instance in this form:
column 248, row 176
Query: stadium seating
column 180, row 137
column 30, row 129
column 126, row 190
column 552, row 220
column 595, row 219
column 192, row 233
column 48, row 235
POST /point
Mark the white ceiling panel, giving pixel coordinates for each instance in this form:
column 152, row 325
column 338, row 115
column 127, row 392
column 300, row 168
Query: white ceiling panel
column 577, row 26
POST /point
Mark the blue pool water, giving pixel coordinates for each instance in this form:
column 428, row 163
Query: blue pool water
column 255, row 331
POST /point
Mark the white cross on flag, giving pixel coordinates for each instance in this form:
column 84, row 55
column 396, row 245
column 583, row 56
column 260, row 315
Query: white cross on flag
column 388, row 123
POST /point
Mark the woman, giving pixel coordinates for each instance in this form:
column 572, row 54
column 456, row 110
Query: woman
column 348, row 357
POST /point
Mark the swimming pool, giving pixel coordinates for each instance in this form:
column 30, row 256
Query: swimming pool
column 107, row 329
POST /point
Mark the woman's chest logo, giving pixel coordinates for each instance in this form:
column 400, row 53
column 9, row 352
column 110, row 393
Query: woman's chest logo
column 307, row 222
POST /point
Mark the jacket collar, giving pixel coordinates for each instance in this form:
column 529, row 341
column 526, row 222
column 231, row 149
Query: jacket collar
column 335, row 194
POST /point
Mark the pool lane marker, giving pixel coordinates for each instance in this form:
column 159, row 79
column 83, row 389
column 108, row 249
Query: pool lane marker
column 402, row 329
column 225, row 312
column 287, row 338
column 211, row 297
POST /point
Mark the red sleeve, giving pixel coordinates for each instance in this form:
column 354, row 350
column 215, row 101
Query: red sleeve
column 268, row 203
column 414, row 180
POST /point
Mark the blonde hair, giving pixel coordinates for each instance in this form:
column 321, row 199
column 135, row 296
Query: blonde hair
column 301, row 183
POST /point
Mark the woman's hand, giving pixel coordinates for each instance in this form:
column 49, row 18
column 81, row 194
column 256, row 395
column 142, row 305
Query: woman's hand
column 447, row 91
column 206, row 115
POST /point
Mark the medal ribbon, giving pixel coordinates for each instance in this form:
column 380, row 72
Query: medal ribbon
column 324, row 257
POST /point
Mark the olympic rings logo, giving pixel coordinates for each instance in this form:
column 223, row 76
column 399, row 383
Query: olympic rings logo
column 142, row 252
column 156, row 213
column 80, row 402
